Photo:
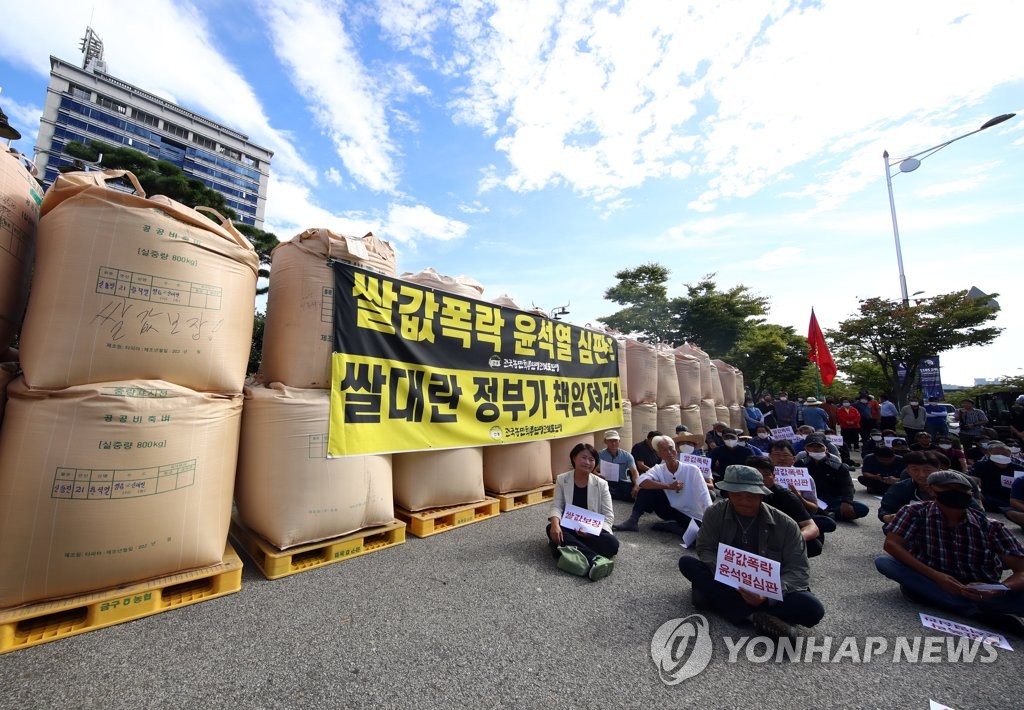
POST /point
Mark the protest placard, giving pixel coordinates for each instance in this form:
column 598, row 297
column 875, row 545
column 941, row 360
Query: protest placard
column 835, row 440
column 794, row 476
column 952, row 627
column 576, row 518
column 783, row 433
column 745, row 570
column 609, row 471
column 701, row 462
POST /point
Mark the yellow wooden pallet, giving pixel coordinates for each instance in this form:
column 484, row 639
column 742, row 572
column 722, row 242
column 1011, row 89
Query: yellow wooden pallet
column 435, row 520
column 275, row 563
column 34, row 624
column 523, row 499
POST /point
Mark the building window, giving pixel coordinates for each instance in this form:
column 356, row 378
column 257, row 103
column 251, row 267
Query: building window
column 111, row 104
column 204, row 141
column 143, row 117
column 233, row 154
column 175, row 130
column 79, row 93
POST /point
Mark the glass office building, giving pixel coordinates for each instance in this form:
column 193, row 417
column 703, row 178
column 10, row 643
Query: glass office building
column 88, row 104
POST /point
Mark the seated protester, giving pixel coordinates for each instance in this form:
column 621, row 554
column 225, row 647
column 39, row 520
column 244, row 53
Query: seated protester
column 976, row 452
column 781, row 454
column 623, row 485
column 881, row 470
column 1016, row 511
column 674, row 491
column 713, row 439
column 832, row 478
column 644, row 454
column 731, row 452
column 789, row 503
column 806, row 431
column 580, row 487
column 955, row 454
column 875, row 440
column 996, row 472
column 899, row 445
column 938, row 549
column 919, row 465
column 922, row 442
column 686, row 443
column 761, row 440
column 744, row 522
column 844, row 449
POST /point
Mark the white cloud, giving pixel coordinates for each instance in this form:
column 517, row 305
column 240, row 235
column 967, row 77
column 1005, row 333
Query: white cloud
column 333, row 176
column 345, row 100
column 410, row 223
column 200, row 77
column 476, row 208
column 291, row 209
column 408, row 24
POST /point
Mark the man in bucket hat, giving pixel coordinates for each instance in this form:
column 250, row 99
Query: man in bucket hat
column 745, row 522
column 940, row 551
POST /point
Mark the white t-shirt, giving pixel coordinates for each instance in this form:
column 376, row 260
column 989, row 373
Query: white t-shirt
column 693, row 499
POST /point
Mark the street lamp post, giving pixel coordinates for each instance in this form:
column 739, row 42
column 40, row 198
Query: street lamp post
column 909, row 165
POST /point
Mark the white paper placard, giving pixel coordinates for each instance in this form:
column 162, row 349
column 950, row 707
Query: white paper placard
column 888, row 440
column 576, row 518
column 782, row 433
column 690, row 536
column 701, row 462
column 1007, row 481
column 956, row 629
column 821, row 504
column 932, row 705
column 795, row 476
column 989, row 587
column 835, row 440
column 609, row 471
column 745, row 570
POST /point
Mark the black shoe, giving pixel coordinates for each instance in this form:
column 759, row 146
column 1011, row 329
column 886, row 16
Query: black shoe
column 1007, row 623
column 629, row 525
column 772, row 626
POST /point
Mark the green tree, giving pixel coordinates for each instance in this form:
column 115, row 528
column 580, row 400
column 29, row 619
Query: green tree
column 893, row 334
column 160, row 177
column 648, row 311
column 772, row 357
column 705, row 316
column 716, row 319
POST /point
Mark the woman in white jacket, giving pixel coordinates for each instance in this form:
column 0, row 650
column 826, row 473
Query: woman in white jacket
column 582, row 488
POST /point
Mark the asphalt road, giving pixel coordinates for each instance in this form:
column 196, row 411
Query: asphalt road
column 480, row 617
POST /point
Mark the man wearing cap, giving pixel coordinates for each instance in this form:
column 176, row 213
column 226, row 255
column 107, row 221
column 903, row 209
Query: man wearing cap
column 730, row 452
column 745, row 522
column 814, row 416
column 831, row 478
column 918, row 465
column 938, row 551
column 713, row 439
column 644, row 454
column 922, row 442
column 674, row 491
column 618, row 468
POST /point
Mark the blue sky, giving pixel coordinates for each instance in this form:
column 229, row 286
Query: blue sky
column 539, row 147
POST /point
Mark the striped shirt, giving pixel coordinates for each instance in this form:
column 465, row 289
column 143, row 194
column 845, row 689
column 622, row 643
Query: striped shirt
column 969, row 552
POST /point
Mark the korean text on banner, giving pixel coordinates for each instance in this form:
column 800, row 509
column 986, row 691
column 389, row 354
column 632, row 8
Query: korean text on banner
column 794, row 476
column 416, row 369
column 745, row 570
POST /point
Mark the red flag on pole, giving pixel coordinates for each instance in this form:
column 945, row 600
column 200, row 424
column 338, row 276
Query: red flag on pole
column 819, row 352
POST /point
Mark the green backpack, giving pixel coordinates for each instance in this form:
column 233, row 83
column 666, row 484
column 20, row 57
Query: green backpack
column 571, row 560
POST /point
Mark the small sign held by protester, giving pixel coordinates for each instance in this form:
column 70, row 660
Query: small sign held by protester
column 745, row 570
column 587, row 521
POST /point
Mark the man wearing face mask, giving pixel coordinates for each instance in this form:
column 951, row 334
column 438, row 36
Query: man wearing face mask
column 881, row 470
column 863, row 406
column 831, row 478
column 753, row 416
column 919, row 465
column 761, row 440
column 875, row 439
column 972, row 421
column 938, row 551
column 936, row 413
column 732, row 452
column 914, row 418
column 849, row 424
column 786, row 411
column 996, row 472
